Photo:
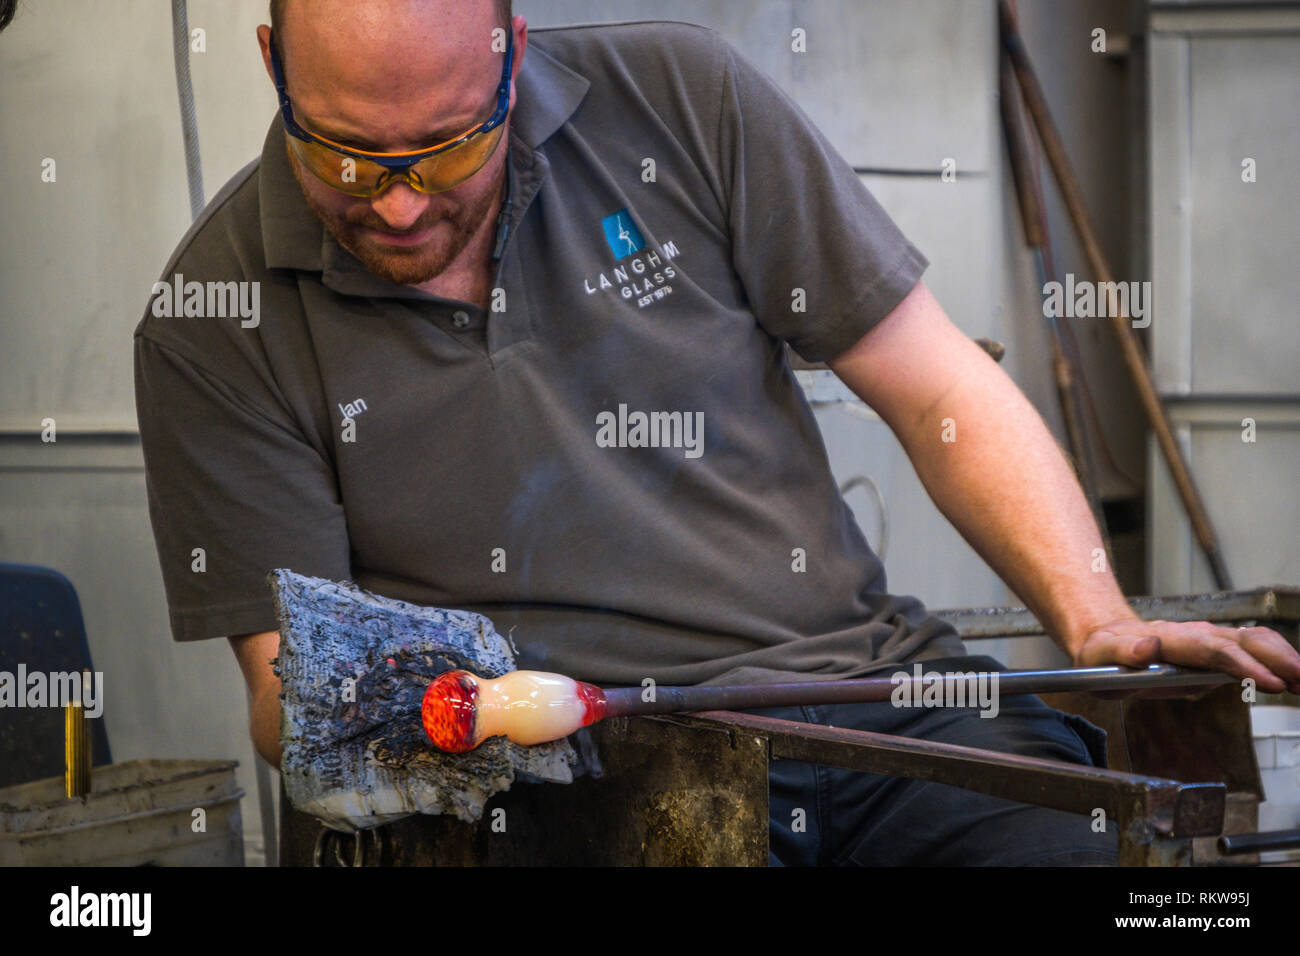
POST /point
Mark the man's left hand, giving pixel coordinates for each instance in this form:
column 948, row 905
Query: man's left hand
column 1259, row 653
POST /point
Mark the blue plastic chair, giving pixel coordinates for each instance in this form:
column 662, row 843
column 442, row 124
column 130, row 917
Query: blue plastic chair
column 40, row 628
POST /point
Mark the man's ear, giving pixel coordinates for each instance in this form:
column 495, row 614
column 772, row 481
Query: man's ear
column 264, row 41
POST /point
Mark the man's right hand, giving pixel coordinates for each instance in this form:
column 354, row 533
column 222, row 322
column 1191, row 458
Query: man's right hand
column 255, row 653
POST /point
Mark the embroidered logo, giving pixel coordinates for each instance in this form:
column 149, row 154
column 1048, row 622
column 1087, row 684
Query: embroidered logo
column 622, row 235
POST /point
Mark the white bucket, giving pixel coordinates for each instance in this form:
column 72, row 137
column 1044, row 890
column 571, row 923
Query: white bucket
column 1277, row 747
column 138, row 812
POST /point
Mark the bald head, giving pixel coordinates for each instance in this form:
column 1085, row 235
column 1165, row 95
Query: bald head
column 391, row 75
column 504, row 13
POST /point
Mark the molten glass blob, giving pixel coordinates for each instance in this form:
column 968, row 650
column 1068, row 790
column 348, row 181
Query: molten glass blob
column 460, row 710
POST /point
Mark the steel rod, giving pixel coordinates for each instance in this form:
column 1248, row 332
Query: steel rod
column 1171, row 808
column 629, row 701
column 1236, row 843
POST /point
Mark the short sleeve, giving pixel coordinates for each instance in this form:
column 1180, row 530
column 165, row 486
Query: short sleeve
column 236, row 481
column 801, row 219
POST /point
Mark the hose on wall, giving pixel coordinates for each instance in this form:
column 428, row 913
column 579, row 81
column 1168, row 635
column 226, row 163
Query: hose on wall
column 189, row 122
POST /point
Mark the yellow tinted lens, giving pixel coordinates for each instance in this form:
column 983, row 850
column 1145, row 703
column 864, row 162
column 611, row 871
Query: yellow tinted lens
column 448, row 170
column 356, row 177
column 362, row 177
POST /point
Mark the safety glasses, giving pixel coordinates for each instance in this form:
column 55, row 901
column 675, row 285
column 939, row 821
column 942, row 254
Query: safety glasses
column 361, row 173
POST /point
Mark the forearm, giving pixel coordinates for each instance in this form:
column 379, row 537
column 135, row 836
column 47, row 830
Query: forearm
column 1004, row 484
column 255, row 653
column 264, row 727
column 1002, row 481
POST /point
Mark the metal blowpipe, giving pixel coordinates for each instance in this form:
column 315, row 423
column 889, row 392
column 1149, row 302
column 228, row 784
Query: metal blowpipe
column 461, row 710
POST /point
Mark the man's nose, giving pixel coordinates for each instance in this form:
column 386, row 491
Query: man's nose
column 399, row 205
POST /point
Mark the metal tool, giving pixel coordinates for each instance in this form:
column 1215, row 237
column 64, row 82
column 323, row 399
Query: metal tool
column 460, row 710
column 1238, row 843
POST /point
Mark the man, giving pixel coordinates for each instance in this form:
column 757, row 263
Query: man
column 538, row 374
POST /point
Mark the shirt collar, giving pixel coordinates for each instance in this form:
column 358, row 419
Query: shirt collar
column 548, row 93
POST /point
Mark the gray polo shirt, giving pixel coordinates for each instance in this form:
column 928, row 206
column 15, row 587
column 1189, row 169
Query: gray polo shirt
column 614, row 462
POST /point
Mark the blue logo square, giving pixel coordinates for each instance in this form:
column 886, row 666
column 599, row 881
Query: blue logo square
column 623, row 236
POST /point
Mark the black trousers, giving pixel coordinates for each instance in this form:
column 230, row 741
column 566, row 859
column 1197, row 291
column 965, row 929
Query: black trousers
column 822, row 816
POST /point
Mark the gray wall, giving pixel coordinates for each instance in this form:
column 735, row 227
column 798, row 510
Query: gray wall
column 91, row 85
column 898, row 85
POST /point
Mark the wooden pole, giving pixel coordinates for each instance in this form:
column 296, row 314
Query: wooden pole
column 1131, row 350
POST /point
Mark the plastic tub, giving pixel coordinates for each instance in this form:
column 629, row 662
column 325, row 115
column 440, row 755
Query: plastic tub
column 137, row 813
column 1277, row 747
